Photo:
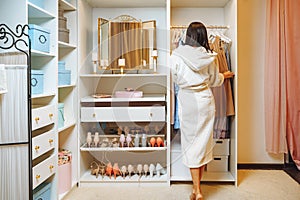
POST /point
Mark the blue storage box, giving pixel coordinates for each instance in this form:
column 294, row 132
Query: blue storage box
column 64, row 77
column 42, row 192
column 61, row 65
column 39, row 3
column 40, row 38
column 61, row 116
column 37, row 81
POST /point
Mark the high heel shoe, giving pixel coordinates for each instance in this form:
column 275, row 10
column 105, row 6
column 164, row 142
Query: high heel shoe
column 109, row 169
column 116, row 170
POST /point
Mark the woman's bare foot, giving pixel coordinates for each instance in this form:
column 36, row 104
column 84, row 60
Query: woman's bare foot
column 198, row 196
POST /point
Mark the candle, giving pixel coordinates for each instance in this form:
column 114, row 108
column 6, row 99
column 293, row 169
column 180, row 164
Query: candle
column 102, row 63
column 121, row 62
column 94, row 56
column 144, row 63
column 105, row 62
column 121, row 70
column 154, row 53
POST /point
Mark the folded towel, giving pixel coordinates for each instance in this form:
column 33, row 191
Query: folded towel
column 3, row 82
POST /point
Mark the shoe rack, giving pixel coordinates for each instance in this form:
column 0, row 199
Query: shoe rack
column 125, row 160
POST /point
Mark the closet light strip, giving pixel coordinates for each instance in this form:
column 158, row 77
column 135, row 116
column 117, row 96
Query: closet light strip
column 208, row 27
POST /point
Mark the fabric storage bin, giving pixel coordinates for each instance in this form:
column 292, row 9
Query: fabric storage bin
column 218, row 164
column 61, row 65
column 64, row 177
column 64, row 77
column 63, row 35
column 40, row 38
column 37, row 81
column 39, row 3
column 61, row 115
column 62, row 22
column 42, row 192
column 221, row 147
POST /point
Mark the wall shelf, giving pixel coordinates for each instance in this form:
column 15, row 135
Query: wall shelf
column 66, row 45
column 66, row 5
column 37, row 12
column 128, row 149
column 145, row 98
column 66, row 86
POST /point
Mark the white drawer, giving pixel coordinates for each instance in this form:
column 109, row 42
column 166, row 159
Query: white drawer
column 122, row 114
column 43, row 170
column 218, row 164
column 42, row 116
column 42, row 143
column 221, row 147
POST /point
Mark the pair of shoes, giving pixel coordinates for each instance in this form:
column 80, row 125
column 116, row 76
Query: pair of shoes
column 97, row 168
column 158, row 142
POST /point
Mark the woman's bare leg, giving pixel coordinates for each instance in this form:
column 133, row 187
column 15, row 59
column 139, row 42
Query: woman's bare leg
column 196, row 175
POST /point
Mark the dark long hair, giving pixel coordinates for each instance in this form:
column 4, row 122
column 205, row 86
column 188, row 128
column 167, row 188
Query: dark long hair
column 196, row 36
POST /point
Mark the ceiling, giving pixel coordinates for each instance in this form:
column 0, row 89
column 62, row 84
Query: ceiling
column 199, row 3
column 126, row 3
column 155, row 3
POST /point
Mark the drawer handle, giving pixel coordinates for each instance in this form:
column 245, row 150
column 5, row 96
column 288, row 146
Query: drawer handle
column 50, row 141
column 94, row 115
column 151, row 114
column 50, row 115
column 37, row 148
column 38, row 176
column 37, row 119
column 51, row 167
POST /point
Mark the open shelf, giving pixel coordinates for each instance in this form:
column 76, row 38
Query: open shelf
column 37, row 12
column 66, row 45
column 119, row 75
column 66, row 6
column 44, row 95
column 145, row 98
column 66, row 86
column 68, row 125
column 40, row 53
column 110, row 149
column 88, row 178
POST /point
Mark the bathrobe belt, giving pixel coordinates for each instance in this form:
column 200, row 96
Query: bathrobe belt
column 197, row 88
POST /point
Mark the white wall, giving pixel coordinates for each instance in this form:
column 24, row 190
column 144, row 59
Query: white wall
column 251, row 54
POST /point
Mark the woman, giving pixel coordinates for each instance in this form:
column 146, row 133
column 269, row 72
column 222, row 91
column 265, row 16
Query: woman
column 194, row 68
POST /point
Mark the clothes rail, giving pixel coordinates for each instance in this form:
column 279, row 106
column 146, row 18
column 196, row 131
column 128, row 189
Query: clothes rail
column 208, row 27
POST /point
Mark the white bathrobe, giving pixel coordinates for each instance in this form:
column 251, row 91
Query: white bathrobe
column 195, row 71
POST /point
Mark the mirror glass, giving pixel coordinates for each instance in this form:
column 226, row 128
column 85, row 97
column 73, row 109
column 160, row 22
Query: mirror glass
column 126, row 38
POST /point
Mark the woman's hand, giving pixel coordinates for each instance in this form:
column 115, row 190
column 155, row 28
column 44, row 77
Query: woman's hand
column 228, row 74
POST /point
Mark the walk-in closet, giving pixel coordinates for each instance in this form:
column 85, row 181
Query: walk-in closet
column 101, row 104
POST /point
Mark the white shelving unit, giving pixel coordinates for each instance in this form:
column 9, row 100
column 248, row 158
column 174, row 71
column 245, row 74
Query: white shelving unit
column 44, row 105
column 154, row 87
column 214, row 13
column 68, row 94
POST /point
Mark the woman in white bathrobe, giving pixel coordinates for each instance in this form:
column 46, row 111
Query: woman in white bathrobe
column 195, row 69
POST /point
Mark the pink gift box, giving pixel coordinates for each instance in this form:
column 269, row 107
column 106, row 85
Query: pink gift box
column 129, row 94
column 64, row 177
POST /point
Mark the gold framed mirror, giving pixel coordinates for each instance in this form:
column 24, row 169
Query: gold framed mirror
column 127, row 38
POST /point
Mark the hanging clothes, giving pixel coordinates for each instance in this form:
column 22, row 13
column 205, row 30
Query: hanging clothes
column 178, row 38
column 223, row 67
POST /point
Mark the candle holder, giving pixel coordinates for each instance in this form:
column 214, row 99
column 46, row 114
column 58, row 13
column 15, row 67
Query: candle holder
column 95, row 62
column 154, row 56
column 121, row 63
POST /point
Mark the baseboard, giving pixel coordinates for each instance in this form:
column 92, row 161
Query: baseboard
column 262, row 166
